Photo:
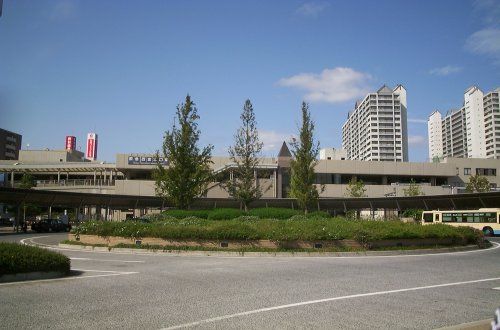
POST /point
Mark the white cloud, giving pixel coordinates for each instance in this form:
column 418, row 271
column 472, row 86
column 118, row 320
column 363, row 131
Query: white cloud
column 416, row 140
column 312, row 9
column 417, row 121
column 445, row 70
column 488, row 11
column 331, row 85
column 485, row 42
column 273, row 140
column 63, row 10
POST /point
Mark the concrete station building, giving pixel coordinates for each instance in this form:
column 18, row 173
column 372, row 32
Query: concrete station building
column 131, row 174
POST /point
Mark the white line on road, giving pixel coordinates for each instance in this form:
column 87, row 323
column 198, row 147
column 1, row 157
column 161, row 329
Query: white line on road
column 310, row 302
column 106, row 260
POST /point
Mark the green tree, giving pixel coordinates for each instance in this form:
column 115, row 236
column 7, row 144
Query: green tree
column 27, row 181
column 305, row 152
column 244, row 153
column 477, row 183
column 188, row 172
column 413, row 189
column 356, row 188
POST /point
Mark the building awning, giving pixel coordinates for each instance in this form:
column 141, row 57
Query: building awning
column 16, row 196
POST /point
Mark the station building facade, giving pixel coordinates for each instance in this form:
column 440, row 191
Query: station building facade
column 131, row 174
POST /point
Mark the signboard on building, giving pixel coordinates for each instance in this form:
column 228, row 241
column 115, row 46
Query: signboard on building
column 70, row 142
column 91, row 146
column 146, row 160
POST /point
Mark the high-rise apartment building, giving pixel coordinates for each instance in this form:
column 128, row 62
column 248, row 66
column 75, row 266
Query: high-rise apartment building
column 10, row 144
column 434, row 132
column 491, row 107
column 468, row 132
column 376, row 130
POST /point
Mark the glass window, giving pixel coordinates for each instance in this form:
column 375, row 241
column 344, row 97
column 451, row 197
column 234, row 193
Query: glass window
column 467, row 171
column 447, row 217
column 427, row 217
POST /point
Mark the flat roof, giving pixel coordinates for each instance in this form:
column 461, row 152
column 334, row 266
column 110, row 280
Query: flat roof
column 16, row 196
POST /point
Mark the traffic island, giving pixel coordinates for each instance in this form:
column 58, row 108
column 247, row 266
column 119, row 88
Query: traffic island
column 252, row 234
column 21, row 262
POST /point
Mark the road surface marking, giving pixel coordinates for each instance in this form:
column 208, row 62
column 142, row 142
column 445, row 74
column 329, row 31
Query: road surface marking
column 310, row 302
column 106, row 260
column 107, row 273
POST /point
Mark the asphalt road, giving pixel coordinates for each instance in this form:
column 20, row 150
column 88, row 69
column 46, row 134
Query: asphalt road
column 128, row 291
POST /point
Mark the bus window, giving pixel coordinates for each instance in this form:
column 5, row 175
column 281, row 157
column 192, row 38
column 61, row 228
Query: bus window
column 470, row 217
column 427, row 217
column 490, row 217
column 447, row 217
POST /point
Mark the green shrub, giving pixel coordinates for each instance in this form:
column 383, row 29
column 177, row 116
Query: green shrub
column 274, row 213
column 318, row 214
column 247, row 218
column 225, row 214
column 16, row 258
column 181, row 214
column 298, row 227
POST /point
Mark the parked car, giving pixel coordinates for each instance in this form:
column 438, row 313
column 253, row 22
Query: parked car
column 5, row 222
column 47, row 225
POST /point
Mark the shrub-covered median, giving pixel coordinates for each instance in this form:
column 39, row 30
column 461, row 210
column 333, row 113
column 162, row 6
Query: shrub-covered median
column 16, row 258
column 295, row 228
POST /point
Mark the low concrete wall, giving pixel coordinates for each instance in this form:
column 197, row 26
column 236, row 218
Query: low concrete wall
column 235, row 244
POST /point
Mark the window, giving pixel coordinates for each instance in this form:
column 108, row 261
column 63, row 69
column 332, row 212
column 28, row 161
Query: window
column 486, row 171
column 428, row 217
column 467, row 171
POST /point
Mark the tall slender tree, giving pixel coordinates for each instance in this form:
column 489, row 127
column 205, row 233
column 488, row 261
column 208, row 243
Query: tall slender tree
column 188, row 172
column 305, row 152
column 245, row 152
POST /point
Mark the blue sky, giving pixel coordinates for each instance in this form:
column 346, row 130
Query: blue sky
column 119, row 68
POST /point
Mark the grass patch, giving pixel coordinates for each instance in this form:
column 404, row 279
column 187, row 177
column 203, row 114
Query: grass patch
column 295, row 228
column 16, row 258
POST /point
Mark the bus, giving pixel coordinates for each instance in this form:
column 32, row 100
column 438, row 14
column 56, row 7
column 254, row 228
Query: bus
column 486, row 219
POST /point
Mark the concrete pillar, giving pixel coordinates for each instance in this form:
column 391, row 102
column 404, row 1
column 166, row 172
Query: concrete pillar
column 95, row 174
column 58, row 177
column 12, row 179
column 275, row 184
column 50, row 212
column 18, row 218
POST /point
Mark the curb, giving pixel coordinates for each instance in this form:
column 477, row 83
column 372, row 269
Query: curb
column 8, row 278
column 267, row 254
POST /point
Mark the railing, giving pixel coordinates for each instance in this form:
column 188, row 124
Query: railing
column 74, row 182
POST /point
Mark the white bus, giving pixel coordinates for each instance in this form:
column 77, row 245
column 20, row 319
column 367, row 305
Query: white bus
column 487, row 220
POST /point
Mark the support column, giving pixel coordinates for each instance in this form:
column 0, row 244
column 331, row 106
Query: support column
column 58, row 177
column 18, row 218
column 275, row 184
column 95, row 174
column 50, row 212
column 12, row 179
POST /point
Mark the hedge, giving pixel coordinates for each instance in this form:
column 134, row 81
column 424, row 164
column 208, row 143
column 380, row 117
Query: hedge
column 232, row 213
column 296, row 228
column 16, row 258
